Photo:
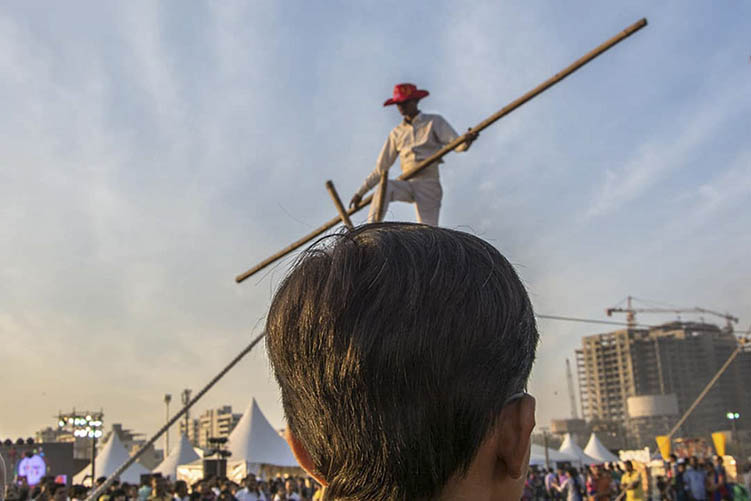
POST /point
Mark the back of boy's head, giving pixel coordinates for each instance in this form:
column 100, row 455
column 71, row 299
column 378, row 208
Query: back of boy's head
column 395, row 346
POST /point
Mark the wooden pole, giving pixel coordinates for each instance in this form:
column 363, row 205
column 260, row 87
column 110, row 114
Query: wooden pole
column 741, row 343
column 380, row 199
column 338, row 203
column 453, row 144
column 95, row 491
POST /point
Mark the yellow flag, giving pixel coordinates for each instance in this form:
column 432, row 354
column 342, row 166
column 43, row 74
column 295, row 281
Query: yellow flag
column 663, row 443
column 719, row 442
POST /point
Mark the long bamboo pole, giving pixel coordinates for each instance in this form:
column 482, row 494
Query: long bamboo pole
column 741, row 343
column 453, row 144
column 380, row 200
column 97, row 491
column 338, row 204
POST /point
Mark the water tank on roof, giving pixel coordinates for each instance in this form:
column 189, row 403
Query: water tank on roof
column 652, row 406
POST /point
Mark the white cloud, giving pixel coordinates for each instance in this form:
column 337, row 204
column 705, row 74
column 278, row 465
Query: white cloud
column 669, row 150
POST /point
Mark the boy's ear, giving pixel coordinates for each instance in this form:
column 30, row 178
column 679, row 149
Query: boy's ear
column 517, row 423
column 302, row 456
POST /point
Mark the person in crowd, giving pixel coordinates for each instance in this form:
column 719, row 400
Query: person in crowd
column 318, row 494
column 602, row 483
column 250, row 491
column 696, row 480
column 663, row 488
column 538, row 486
column 226, row 495
column 195, row 491
column 58, row 492
column 180, row 491
column 710, row 481
column 561, row 476
column 36, row 494
column 402, row 352
column 289, row 492
column 631, row 483
column 551, row 482
column 581, row 474
column 159, row 489
column 527, row 492
column 589, row 483
column 119, row 495
column 720, row 477
column 678, row 483
column 571, row 488
column 671, row 467
column 77, row 492
column 145, row 490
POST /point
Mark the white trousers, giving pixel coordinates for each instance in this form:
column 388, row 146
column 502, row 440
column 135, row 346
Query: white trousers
column 426, row 194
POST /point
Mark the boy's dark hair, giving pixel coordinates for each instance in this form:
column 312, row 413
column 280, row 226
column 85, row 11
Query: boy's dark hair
column 395, row 346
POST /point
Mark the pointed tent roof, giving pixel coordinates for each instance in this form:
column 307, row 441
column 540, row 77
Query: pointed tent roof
column 182, row 454
column 537, row 456
column 570, row 448
column 596, row 450
column 254, row 440
column 109, row 459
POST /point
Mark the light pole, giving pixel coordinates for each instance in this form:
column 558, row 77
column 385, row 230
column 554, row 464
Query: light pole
column 733, row 417
column 84, row 425
column 167, row 400
column 545, row 444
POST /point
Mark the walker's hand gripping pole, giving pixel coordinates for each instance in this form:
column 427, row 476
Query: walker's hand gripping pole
column 453, row 144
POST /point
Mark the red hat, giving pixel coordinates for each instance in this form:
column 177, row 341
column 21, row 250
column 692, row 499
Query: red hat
column 404, row 92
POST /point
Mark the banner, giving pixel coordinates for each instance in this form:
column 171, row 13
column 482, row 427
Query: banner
column 718, row 438
column 663, row 443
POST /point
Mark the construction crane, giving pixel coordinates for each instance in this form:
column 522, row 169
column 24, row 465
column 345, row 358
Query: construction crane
column 631, row 312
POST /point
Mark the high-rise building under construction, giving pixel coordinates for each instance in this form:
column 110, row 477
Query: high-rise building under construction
column 642, row 380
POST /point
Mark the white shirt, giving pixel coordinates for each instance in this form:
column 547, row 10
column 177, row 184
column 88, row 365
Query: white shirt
column 290, row 497
column 413, row 143
column 245, row 495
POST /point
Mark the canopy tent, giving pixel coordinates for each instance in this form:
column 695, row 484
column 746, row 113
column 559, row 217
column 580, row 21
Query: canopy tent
column 254, row 446
column 537, row 456
column 255, row 441
column 570, row 448
column 182, row 454
column 110, row 458
column 596, row 450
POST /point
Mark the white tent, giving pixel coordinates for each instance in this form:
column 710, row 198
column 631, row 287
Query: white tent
column 598, row 451
column 570, row 448
column 256, row 442
column 182, row 454
column 110, row 458
column 537, row 456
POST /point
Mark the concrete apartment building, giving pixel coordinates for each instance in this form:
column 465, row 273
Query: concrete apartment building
column 642, row 380
column 213, row 423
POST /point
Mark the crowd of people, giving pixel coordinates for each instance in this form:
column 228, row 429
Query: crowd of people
column 156, row 488
column 684, row 480
column 595, row 483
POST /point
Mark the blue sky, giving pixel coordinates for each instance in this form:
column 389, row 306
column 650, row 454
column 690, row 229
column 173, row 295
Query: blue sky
column 149, row 152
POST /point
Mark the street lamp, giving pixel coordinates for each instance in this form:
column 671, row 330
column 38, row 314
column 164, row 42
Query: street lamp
column 84, row 425
column 733, row 417
column 167, row 400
